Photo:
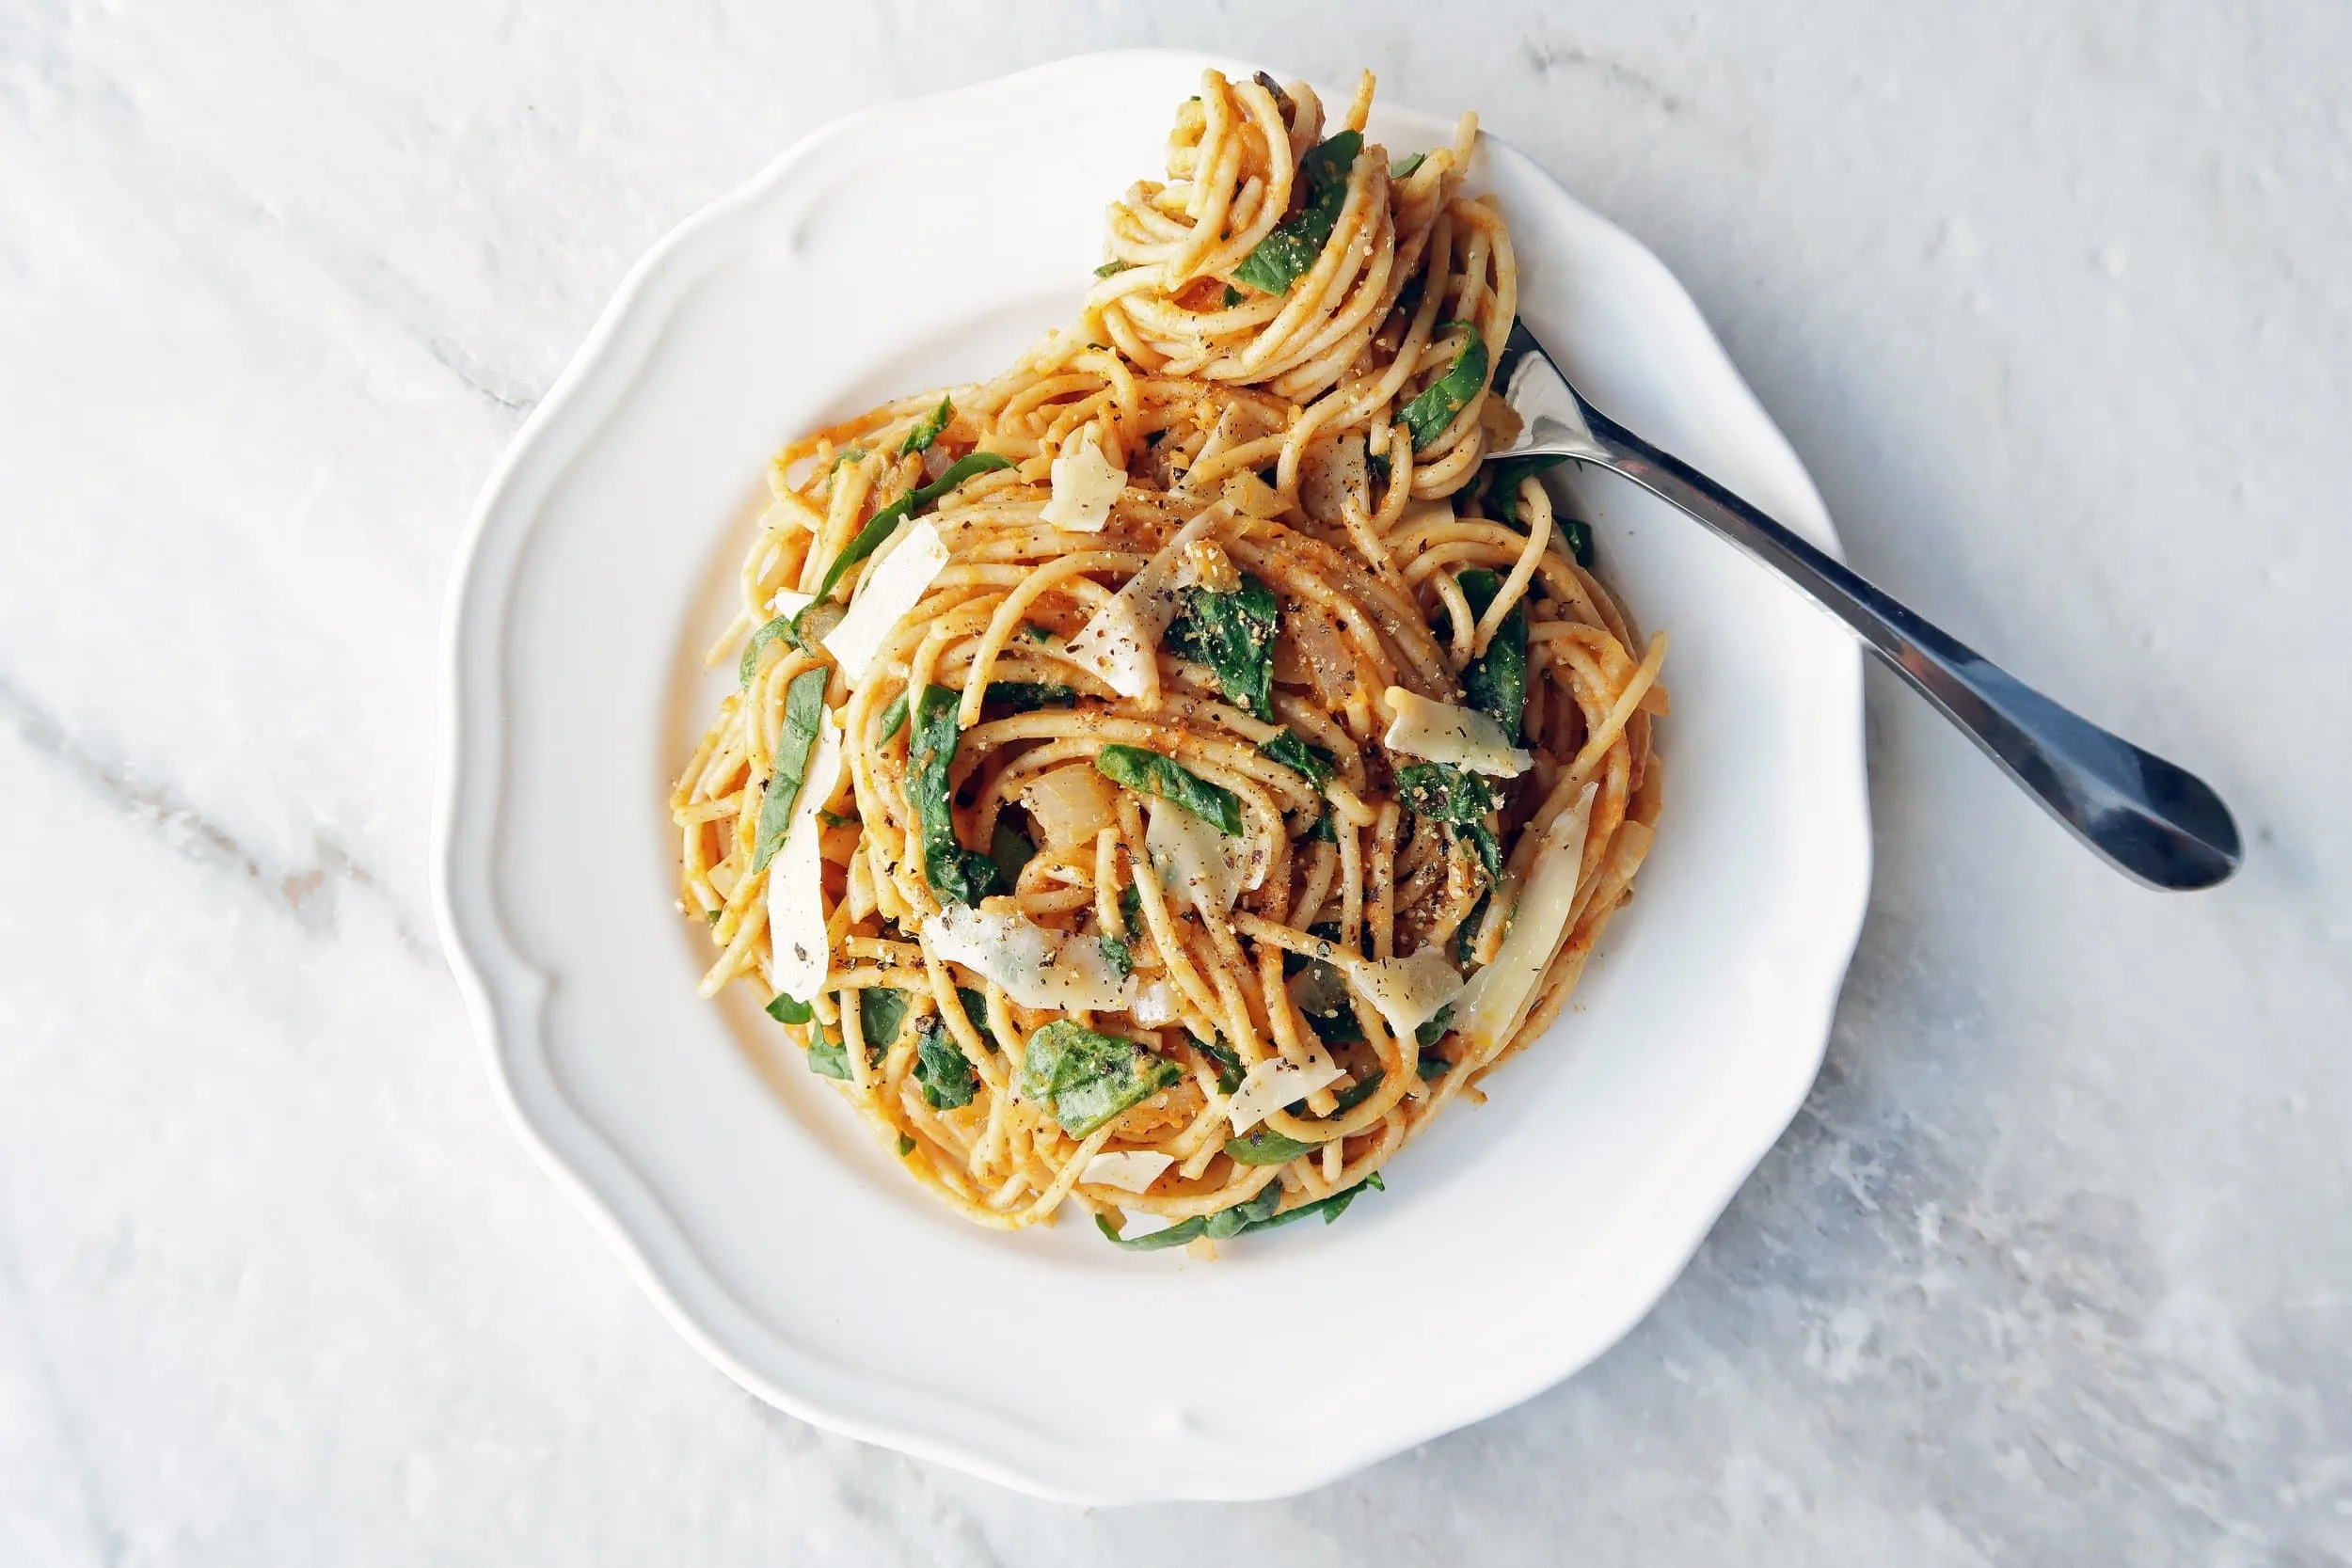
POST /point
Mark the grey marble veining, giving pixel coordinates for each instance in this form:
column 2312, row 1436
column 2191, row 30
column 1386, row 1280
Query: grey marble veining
column 2056, row 301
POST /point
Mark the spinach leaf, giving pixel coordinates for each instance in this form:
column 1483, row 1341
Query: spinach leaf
column 1301, row 757
column 906, row 1146
column 882, row 1011
column 1339, row 1028
column 804, row 706
column 1466, row 936
column 815, row 621
column 942, row 1072
column 1437, row 403
column 1174, row 1235
column 1229, row 1073
column 1036, row 633
column 828, row 1057
column 1432, row 1032
column 1171, row 780
column 1444, row 793
column 1432, row 1067
column 1234, row 635
column 976, row 1008
column 785, row 1010
column 892, row 717
column 927, row 429
column 1131, row 907
column 1266, row 1147
column 1381, row 464
column 1356, row 1094
column 1120, row 956
column 781, row 627
column 1503, row 476
column 1086, row 1079
column 1112, row 269
column 957, row 875
column 1322, row 831
column 1496, row 679
column 1249, row 1212
column 1028, row 696
column 1008, row 851
column 881, row 525
column 1292, row 249
column 1402, row 168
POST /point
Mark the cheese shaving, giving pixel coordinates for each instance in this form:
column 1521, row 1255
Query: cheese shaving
column 1462, row 736
column 1035, row 967
column 1121, row 642
column 892, row 587
column 1274, row 1084
column 1129, row 1170
column 800, row 946
column 1408, row 993
column 1085, row 488
column 1497, row 997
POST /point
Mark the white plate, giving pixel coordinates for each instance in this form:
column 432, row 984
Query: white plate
column 925, row 242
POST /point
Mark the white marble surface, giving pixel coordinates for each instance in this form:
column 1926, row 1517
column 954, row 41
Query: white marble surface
column 2056, row 300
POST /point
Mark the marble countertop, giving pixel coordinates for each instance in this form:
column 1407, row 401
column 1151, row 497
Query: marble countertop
column 2056, row 300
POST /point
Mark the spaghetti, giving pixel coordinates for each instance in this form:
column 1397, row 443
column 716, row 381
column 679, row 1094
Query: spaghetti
column 1166, row 775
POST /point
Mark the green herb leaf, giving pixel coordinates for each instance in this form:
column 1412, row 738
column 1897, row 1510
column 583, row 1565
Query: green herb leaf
column 1112, row 269
column 1009, row 851
column 893, row 717
column 1402, row 168
column 927, row 429
column 828, row 1057
column 1275, row 264
column 1229, row 1073
column 814, row 624
column 1232, row 297
column 1131, row 907
column 1234, row 635
column 1171, row 780
column 783, row 1009
column 710, row 917
column 1381, row 464
column 1466, row 937
column 1339, row 1028
column 906, row 1146
column 1250, row 1211
column 804, row 708
column 957, row 875
column 1301, row 757
column 885, row 522
column 1174, row 1235
column 778, row 629
column 1086, row 1078
column 1266, row 1147
column 1482, row 840
column 942, row 1072
column 1432, row 1032
column 846, row 454
column 1433, row 1067
column 882, row 1011
column 1036, row 633
column 1028, row 696
column 1444, row 793
column 1501, row 476
column 1496, row 680
column 1435, row 405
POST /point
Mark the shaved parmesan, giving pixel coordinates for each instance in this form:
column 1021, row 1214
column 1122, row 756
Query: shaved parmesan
column 1140, row 1225
column 1202, row 868
column 788, row 604
column 892, row 587
column 1129, row 1170
column 1497, row 997
column 1274, row 1084
column 1037, row 968
column 1463, row 736
column 1085, row 487
column 1408, row 993
column 799, row 942
column 1120, row 643
column 1154, row 1005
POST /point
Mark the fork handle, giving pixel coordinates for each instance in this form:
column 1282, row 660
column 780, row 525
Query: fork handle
column 2151, row 819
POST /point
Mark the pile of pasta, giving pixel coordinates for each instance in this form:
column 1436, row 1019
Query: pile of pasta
column 1166, row 775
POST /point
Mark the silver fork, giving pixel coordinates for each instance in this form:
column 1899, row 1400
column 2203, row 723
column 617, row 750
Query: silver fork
column 2153, row 821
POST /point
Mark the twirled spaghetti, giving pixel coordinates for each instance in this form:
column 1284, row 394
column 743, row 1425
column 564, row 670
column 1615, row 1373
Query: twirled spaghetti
column 1165, row 775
